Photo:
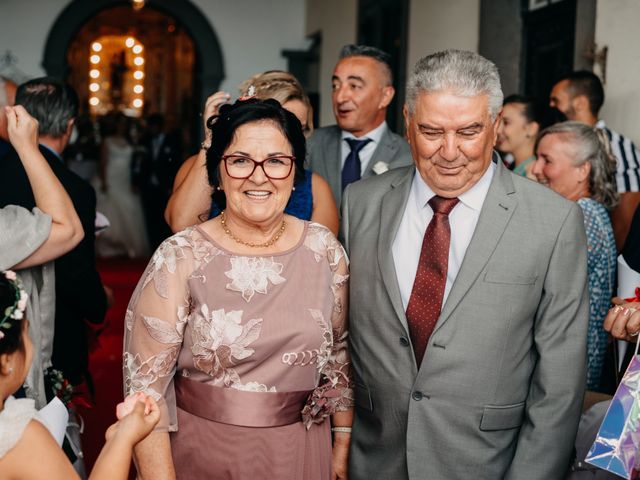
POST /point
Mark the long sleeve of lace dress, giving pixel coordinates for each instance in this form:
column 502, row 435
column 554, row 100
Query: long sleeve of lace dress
column 154, row 326
column 335, row 391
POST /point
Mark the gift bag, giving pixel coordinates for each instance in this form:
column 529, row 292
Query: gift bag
column 617, row 444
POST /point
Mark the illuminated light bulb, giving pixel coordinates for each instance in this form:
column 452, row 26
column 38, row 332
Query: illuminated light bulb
column 137, row 49
column 94, row 87
column 94, row 59
column 130, row 42
column 138, row 89
column 138, row 61
column 96, row 47
column 94, row 101
column 94, row 73
column 137, row 103
column 138, row 74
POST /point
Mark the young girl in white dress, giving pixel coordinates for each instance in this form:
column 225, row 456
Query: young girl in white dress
column 27, row 449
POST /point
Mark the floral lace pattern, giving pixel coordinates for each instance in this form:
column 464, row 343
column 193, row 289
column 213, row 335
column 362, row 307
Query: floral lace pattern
column 195, row 313
column 251, row 275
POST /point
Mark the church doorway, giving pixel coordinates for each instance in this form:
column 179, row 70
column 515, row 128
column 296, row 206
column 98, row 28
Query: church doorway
column 161, row 58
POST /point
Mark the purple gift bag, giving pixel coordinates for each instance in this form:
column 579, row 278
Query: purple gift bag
column 617, row 445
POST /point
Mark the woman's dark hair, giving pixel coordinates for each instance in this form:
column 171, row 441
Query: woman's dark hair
column 536, row 111
column 224, row 125
column 11, row 328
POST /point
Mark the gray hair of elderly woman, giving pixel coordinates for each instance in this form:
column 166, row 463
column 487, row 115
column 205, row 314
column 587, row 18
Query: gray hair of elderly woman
column 589, row 145
column 464, row 73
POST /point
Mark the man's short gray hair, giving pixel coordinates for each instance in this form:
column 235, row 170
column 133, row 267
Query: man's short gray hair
column 467, row 74
column 591, row 146
column 382, row 57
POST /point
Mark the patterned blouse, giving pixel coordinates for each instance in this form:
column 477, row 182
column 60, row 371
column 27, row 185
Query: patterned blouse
column 262, row 323
column 601, row 266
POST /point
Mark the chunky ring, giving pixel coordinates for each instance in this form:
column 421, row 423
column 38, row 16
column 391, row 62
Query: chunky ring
column 635, row 334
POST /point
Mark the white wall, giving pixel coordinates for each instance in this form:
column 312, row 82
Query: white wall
column 617, row 28
column 252, row 33
column 335, row 21
column 436, row 25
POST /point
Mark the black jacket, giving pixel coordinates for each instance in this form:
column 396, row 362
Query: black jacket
column 80, row 296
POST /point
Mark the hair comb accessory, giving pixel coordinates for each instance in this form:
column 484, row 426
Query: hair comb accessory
column 17, row 309
column 251, row 92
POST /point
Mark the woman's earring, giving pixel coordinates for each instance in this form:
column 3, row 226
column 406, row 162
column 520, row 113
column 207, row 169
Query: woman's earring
column 293, row 189
column 218, row 188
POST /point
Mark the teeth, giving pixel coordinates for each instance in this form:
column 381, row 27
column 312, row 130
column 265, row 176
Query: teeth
column 258, row 194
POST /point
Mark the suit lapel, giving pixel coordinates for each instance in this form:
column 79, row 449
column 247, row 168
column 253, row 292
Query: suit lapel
column 497, row 210
column 385, row 151
column 332, row 159
column 393, row 206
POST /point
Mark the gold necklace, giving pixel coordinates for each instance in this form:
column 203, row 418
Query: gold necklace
column 268, row 243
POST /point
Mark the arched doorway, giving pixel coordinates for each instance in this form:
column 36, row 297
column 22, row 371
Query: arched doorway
column 183, row 16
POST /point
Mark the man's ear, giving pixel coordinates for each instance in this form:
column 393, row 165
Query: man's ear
column 496, row 124
column 581, row 104
column 387, row 95
column 406, row 114
column 69, row 128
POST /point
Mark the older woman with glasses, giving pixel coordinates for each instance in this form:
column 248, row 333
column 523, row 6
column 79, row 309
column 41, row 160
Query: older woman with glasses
column 238, row 326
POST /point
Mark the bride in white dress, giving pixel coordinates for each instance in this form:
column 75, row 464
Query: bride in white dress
column 126, row 235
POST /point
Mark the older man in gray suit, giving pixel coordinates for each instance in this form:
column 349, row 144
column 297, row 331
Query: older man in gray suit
column 361, row 144
column 469, row 301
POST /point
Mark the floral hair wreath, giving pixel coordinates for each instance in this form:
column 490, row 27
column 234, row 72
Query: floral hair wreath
column 15, row 311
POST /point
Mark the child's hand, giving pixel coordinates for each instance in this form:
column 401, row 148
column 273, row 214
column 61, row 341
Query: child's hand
column 135, row 424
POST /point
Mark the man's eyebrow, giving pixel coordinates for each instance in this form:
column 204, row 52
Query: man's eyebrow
column 356, row 78
column 426, row 126
column 472, row 126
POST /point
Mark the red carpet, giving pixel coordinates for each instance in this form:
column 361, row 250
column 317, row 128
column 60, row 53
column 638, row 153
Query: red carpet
column 106, row 359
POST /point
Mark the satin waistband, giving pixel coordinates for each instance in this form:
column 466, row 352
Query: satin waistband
column 237, row 407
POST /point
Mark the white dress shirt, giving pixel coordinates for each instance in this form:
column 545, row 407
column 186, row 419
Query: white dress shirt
column 367, row 151
column 417, row 215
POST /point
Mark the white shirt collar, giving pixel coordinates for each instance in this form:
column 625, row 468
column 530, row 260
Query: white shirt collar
column 600, row 124
column 472, row 198
column 375, row 135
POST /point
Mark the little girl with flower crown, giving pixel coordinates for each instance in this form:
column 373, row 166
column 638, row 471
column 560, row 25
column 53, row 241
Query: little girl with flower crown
column 27, row 449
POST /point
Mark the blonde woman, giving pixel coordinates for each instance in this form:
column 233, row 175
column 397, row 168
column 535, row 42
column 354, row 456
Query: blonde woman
column 191, row 203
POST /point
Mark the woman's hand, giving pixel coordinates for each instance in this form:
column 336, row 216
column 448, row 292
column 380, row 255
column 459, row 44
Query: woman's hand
column 623, row 320
column 340, row 456
column 22, row 128
column 211, row 108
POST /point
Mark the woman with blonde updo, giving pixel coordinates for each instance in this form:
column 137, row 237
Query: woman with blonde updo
column 190, row 202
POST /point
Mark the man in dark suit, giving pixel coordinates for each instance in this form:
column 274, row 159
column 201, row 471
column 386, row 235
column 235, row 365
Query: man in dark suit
column 361, row 144
column 154, row 175
column 80, row 296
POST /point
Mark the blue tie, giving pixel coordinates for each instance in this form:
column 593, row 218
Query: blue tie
column 351, row 169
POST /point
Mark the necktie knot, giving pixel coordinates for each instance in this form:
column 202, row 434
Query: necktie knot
column 443, row 205
column 356, row 145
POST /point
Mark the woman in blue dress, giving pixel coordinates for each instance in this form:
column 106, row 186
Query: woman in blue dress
column 191, row 203
column 573, row 161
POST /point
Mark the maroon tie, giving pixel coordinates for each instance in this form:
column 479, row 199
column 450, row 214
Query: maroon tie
column 425, row 302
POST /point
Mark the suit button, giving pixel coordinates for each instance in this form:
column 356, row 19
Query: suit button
column 404, row 341
column 417, row 396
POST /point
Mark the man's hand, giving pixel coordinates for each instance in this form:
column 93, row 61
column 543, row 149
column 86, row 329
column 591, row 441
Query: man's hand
column 22, row 128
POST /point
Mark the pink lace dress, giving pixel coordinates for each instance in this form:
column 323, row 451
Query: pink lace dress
column 246, row 355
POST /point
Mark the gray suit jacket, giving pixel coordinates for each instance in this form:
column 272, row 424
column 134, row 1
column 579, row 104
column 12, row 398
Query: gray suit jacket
column 324, row 155
column 499, row 392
